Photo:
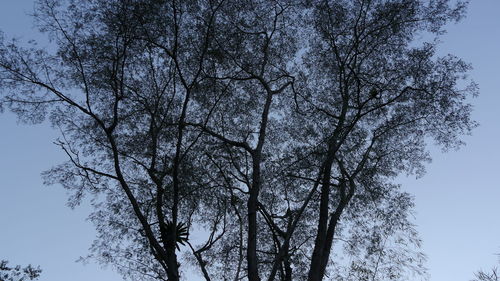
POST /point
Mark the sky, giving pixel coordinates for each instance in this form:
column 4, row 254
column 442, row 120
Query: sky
column 457, row 201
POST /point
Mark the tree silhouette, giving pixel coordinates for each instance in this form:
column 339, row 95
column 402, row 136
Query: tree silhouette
column 492, row 275
column 274, row 128
column 18, row 273
column 487, row 276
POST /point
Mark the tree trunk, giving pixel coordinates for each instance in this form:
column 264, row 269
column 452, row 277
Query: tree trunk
column 320, row 241
column 253, row 271
column 172, row 265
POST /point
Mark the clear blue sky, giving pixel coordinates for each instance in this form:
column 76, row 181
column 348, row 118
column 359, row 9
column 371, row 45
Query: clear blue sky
column 458, row 200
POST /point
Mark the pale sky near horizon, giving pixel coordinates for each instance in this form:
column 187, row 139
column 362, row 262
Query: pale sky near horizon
column 457, row 201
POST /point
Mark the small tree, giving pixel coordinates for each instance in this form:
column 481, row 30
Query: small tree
column 487, row 276
column 492, row 275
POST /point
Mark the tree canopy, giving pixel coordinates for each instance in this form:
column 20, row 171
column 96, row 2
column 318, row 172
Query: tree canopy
column 18, row 273
column 245, row 139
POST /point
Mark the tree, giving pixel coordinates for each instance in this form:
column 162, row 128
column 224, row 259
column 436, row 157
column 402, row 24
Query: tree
column 18, row 273
column 485, row 276
column 276, row 127
column 492, row 275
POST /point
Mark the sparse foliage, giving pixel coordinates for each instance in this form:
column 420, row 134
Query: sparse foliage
column 492, row 275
